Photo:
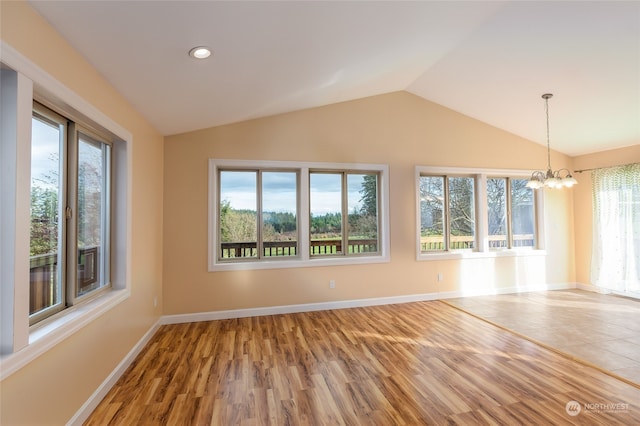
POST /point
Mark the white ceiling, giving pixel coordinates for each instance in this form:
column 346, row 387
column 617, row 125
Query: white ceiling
column 488, row 60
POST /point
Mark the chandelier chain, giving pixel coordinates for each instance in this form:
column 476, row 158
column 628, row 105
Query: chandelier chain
column 550, row 179
column 546, row 108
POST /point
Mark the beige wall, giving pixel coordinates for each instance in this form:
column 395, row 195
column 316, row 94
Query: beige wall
column 583, row 202
column 53, row 387
column 398, row 129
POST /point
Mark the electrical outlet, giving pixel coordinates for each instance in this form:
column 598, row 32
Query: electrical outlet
column 332, row 283
column 155, row 301
column 440, row 276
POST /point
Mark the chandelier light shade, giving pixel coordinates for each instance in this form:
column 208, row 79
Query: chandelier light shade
column 550, row 179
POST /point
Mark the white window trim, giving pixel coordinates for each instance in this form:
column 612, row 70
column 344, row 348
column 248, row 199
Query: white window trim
column 28, row 343
column 304, row 260
column 483, row 250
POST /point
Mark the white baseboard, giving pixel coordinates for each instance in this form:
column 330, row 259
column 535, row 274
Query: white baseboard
column 291, row 309
column 602, row 290
column 593, row 288
column 504, row 290
column 357, row 303
column 87, row 408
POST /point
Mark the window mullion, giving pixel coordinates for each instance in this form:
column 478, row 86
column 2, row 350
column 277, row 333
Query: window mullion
column 446, row 219
column 106, row 220
column 509, row 200
column 304, row 225
column 482, row 216
column 71, row 166
column 217, row 205
column 259, row 225
column 345, row 215
column 379, row 210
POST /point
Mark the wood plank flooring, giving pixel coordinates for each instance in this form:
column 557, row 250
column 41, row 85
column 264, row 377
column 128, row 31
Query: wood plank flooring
column 409, row 364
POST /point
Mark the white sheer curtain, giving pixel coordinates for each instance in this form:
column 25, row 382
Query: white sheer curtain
column 615, row 260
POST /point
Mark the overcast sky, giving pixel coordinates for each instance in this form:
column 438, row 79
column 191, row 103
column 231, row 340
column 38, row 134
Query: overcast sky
column 45, row 149
column 279, row 191
column 279, row 188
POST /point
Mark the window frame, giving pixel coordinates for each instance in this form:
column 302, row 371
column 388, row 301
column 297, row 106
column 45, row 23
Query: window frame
column 304, row 259
column 344, row 211
column 107, row 214
column 23, row 82
column 446, row 210
column 45, row 114
column 481, row 213
column 68, row 201
column 510, row 234
column 259, row 214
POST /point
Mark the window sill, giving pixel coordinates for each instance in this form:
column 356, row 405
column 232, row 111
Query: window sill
column 52, row 332
column 298, row 263
column 480, row 255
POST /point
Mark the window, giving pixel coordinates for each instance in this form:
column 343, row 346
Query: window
column 286, row 214
column 475, row 211
column 70, row 214
column 615, row 261
column 343, row 213
column 258, row 214
column 447, row 213
column 511, row 213
column 92, row 281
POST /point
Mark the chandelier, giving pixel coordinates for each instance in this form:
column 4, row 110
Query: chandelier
column 550, row 179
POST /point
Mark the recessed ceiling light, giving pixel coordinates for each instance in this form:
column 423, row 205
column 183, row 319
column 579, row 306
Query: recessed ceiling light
column 200, row 52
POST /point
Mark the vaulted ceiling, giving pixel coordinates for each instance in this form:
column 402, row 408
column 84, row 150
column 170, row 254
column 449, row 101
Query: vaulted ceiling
column 488, row 60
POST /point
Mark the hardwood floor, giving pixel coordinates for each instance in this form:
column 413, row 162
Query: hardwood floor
column 415, row 363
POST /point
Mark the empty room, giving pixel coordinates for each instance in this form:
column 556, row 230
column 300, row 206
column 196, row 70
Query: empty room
column 310, row 213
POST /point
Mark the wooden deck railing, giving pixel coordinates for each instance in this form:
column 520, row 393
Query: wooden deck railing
column 289, row 248
column 44, row 271
column 467, row 242
column 437, row 244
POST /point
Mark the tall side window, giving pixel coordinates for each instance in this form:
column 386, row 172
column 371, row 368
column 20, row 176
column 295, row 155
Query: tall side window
column 447, row 213
column 343, row 210
column 69, row 239
column 258, row 213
